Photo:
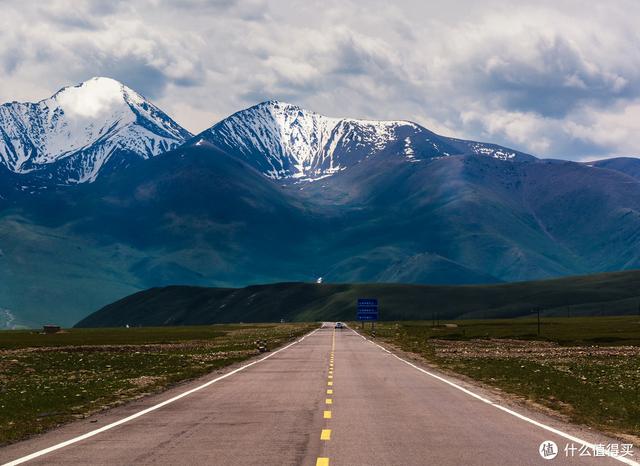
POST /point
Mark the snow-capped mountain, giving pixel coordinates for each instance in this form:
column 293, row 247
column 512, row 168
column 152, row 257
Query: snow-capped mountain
column 101, row 124
column 70, row 137
column 285, row 141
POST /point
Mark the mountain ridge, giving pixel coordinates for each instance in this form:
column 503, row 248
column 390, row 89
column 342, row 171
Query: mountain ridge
column 61, row 140
column 599, row 294
column 285, row 141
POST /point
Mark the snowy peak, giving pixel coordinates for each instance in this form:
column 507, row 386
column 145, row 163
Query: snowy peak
column 286, row 141
column 72, row 135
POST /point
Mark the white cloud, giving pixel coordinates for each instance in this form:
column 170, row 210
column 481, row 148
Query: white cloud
column 615, row 127
column 94, row 98
column 527, row 130
column 552, row 78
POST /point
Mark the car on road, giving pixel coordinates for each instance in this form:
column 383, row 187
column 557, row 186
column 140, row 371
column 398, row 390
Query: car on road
column 339, row 325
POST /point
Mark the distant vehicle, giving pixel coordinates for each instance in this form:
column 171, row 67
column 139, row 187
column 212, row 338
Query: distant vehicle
column 339, row 325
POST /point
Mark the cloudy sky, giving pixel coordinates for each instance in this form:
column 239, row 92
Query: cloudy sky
column 549, row 77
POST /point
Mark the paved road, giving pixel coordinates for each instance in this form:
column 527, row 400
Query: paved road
column 333, row 398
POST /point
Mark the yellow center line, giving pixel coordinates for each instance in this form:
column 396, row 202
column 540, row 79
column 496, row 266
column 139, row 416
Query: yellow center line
column 326, row 433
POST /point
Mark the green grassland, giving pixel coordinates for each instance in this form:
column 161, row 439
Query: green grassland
column 587, row 369
column 46, row 380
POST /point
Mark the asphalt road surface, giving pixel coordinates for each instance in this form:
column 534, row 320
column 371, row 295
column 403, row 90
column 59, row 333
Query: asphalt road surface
column 332, row 398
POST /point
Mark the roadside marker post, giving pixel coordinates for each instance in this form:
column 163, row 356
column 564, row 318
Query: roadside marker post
column 538, row 321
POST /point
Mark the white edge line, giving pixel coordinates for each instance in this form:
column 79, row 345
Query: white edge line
column 506, row 410
column 66, row 443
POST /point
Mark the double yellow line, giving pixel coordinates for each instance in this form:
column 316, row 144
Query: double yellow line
column 326, row 433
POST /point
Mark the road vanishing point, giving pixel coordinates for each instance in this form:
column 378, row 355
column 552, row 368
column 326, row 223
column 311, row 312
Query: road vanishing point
column 333, row 398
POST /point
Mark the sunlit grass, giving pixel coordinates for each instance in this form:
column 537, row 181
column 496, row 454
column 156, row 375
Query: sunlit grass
column 46, row 380
column 585, row 368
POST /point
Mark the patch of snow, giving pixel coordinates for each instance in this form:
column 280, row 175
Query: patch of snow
column 7, row 319
column 408, row 150
column 498, row 153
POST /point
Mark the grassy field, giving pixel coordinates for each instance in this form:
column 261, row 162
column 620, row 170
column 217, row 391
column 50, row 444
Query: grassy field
column 46, row 380
column 588, row 369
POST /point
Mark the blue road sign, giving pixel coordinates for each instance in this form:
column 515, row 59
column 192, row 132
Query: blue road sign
column 367, row 309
